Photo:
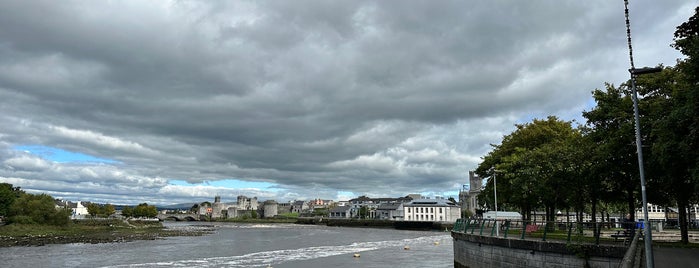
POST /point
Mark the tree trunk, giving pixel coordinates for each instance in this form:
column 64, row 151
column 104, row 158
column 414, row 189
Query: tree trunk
column 682, row 210
column 631, row 203
column 594, row 210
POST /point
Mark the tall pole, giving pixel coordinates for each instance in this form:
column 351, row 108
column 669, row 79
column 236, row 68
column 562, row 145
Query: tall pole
column 639, row 148
column 495, row 185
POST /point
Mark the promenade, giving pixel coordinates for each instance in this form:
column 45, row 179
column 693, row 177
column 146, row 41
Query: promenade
column 676, row 257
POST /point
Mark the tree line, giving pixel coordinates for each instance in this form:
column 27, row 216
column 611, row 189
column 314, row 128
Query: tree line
column 17, row 206
column 552, row 165
column 20, row 207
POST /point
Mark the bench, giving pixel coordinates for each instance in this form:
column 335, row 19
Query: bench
column 532, row 228
column 622, row 234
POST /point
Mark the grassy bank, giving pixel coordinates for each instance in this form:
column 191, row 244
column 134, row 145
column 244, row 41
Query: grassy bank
column 85, row 231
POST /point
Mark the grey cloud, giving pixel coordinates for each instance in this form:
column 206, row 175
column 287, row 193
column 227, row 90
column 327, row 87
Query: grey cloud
column 316, row 97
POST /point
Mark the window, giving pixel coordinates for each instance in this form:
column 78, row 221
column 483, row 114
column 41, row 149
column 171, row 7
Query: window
column 440, row 211
column 408, row 210
column 431, row 210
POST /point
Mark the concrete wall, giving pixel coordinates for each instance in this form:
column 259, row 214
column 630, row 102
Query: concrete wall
column 484, row 251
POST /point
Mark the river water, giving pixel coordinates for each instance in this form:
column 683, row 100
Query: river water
column 251, row 245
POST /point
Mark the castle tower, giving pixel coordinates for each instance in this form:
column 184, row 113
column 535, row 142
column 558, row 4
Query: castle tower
column 470, row 202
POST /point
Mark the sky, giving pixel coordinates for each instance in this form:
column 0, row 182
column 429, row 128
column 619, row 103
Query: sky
column 170, row 102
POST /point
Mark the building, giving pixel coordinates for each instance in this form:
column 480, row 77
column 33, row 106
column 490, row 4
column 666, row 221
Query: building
column 468, row 197
column 78, row 209
column 441, row 210
column 340, row 212
column 371, row 205
column 220, row 210
column 390, row 211
column 270, row 209
column 299, row 207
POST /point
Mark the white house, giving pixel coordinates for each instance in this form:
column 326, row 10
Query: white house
column 431, row 210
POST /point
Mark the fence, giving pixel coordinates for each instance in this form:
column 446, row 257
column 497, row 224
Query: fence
column 580, row 232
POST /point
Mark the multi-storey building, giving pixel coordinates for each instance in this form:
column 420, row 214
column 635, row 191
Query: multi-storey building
column 431, row 210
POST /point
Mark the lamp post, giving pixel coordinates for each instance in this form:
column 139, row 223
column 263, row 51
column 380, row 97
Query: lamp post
column 639, row 148
column 495, row 185
column 647, row 240
column 495, row 191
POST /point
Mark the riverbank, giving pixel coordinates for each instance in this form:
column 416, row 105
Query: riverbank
column 89, row 232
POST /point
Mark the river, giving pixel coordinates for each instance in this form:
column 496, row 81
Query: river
column 251, row 245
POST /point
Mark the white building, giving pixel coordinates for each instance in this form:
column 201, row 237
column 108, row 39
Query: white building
column 431, row 210
column 503, row 215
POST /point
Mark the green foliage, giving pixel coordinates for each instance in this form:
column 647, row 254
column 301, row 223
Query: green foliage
column 37, row 209
column 363, row 212
column 93, row 209
column 253, row 214
column 107, row 209
column 321, row 212
column 127, row 212
column 100, row 210
column 144, row 210
column 8, row 194
column 534, row 166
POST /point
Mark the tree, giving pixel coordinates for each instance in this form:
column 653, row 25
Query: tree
column 531, row 166
column 363, row 212
column 93, row 209
column 127, row 212
column 145, row 210
column 108, row 209
column 37, row 209
column 612, row 135
column 8, row 194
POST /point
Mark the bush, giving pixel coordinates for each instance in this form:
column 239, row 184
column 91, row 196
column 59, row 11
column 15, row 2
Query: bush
column 37, row 209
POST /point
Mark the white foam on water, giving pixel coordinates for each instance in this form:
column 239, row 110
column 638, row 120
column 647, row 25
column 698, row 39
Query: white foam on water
column 267, row 258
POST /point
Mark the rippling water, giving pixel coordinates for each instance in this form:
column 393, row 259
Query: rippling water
column 251, row 245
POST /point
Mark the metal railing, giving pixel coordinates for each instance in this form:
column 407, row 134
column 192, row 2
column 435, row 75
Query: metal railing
column 588, row 232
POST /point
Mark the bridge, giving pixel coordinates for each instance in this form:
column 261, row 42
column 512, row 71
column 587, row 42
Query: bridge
column 178, row 217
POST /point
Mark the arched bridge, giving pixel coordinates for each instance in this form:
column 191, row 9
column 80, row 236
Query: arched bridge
column 179, row 217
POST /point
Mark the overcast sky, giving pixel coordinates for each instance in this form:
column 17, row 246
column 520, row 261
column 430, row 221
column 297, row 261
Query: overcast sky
column 177, row 101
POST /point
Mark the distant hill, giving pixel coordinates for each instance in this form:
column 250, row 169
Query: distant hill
column 184, row 206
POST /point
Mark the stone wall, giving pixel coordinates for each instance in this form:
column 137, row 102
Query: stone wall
column 485, row 251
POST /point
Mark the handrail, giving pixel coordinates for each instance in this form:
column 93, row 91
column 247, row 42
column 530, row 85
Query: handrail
column 571, row 232
column 632, row 257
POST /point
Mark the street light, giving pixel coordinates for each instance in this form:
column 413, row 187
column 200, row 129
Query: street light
column 639, row 149
column 495, row 190
column 647, row 240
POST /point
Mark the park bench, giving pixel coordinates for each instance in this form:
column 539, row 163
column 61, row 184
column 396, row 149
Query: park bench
column 626, row 234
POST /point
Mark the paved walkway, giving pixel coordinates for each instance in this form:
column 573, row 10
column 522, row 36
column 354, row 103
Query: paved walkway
column 676, row 257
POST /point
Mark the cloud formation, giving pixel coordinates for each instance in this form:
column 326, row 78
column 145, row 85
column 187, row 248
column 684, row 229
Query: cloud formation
column 319, row 99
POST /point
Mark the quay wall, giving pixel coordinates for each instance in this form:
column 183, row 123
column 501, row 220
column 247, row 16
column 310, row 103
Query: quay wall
column 484, row 251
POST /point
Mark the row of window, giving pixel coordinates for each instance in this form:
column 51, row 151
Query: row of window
column 424, row 217
column 424, row 210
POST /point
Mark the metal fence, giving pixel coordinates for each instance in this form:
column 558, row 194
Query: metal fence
column 596, row 233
